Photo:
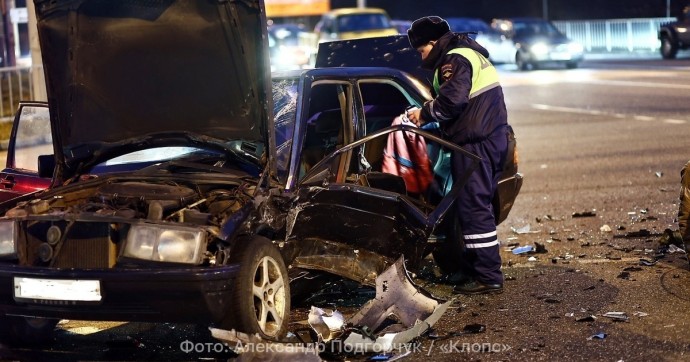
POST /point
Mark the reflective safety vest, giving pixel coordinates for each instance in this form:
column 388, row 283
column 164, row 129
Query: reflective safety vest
column 484, row 75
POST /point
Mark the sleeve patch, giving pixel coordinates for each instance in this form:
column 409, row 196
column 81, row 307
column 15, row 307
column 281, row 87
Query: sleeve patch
column 447, row 71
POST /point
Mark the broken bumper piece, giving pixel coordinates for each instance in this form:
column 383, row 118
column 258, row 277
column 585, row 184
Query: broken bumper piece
column 398, row 314
column 398, row 300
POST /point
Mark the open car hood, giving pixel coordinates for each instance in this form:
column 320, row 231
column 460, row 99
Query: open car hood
column 388, row 51
column 129, row 74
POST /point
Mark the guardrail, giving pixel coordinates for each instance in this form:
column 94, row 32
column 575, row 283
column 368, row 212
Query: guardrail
column 614, row 35
column 16, row 85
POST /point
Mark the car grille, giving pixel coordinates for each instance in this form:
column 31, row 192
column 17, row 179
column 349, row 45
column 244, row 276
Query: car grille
column 86, row 246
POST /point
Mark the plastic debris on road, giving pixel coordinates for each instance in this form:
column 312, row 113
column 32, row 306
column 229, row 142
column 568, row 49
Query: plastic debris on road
column 522, row 249
column 616, row 316
column 597, row 336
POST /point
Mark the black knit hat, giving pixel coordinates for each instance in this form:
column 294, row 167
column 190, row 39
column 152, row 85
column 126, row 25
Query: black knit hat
column 426, row 29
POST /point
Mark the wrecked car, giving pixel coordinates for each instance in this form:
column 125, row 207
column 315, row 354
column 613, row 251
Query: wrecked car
column 189, row 176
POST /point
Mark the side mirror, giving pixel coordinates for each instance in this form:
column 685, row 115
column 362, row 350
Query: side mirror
column 46, row 166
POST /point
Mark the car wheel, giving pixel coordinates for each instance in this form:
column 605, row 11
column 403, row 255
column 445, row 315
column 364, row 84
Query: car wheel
column 521, row 62
column 447, row 254
column 669, row 48
column 26, row 331
column 571, row 65
column 261, row 298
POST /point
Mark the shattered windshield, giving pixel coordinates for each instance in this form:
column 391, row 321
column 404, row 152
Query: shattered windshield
column 284, row 108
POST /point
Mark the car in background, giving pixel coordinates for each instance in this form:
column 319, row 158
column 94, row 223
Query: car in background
column 675, row 35
column 539, row 43
column 354, row 23
column 501, row 49
column 286, row 47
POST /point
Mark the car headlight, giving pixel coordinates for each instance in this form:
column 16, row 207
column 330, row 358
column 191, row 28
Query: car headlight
column 539, row 48
column 165, row 244
column 8, row 244
column 575, row 47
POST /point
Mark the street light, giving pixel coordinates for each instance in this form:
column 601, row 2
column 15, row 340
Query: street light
column 361, row 3
column 545, row 9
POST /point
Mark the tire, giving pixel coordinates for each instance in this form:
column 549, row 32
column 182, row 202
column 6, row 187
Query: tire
column 26, row 331
column 261, row 295
column 447, row 253
column 571, row 65
column 521, row 63
column 669, row 48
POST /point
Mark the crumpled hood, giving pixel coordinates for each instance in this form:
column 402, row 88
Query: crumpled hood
column 129, row 72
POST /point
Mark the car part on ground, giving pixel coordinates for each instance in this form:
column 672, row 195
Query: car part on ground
column 398, row 314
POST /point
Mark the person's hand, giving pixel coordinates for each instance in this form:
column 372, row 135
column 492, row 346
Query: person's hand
column 414, row 115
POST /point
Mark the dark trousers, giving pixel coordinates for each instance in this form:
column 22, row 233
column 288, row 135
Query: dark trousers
column 480, row 258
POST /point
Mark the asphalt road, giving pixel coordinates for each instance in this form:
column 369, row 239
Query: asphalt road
column 606, row 141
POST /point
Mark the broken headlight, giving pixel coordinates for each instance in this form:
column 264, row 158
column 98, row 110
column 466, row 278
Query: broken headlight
column 165, row 244
column 8, row 244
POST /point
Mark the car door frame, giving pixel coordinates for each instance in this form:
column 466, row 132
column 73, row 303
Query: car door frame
column 16, row 182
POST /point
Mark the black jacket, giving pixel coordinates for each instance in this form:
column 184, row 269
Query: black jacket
column 463, row 120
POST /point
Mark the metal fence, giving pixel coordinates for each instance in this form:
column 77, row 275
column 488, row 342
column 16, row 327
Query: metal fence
column 614, row 35
column 16, row 85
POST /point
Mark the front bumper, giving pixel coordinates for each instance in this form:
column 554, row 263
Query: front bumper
column 557, row 57
column 176, row 295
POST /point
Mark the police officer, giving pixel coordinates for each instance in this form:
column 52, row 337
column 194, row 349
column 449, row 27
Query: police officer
column 471, row 112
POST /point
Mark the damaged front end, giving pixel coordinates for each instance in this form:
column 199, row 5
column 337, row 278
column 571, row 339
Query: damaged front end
column 136, row 248
column 124, row 222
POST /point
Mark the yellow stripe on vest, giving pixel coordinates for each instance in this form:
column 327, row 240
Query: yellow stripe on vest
column 484, row 75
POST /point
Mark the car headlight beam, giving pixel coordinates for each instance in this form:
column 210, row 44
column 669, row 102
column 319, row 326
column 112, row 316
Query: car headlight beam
column 539, row 48
column 165, row 244
column 8, row 237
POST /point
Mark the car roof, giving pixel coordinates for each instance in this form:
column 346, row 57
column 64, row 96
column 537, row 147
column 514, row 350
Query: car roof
column 350, row 11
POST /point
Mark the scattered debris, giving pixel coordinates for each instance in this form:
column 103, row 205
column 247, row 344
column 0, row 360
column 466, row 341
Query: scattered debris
column 671, row 237
column 624, row 275
column 616, row 316
column 586, row 318
column 659, row 174
column 473, row 328
column 540, row 248
column 527, row 229
column 415, row 311
column 632, row 269
column 642, row 233
column 597, row 336
column 585, row 213
column 605, row 229
column 531, row 258
column 328, row 324
column 522, row 249
column 399, row 313
column 647, row 262
column 640, row 314
column 674, row 249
